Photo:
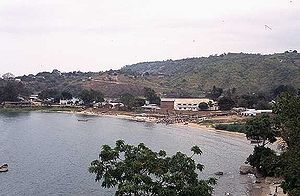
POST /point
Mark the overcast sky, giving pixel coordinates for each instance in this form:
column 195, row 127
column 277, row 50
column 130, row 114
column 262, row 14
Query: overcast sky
column 96, row 35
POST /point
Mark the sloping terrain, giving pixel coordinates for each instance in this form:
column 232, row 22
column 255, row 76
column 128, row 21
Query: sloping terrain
column 247, row 73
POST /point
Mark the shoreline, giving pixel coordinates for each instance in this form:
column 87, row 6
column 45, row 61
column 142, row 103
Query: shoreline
column 265, row 187
column 200, row 127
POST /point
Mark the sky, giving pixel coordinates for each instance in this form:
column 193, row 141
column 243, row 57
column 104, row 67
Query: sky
column 98, row 35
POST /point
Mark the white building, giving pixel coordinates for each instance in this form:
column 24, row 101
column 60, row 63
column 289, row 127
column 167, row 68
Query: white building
column 254, row 112
column 151, row 107
column 70, row 102
column 34, row 98
column 187, row 104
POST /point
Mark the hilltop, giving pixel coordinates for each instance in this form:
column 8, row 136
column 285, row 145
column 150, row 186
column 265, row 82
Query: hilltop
column 246, row 73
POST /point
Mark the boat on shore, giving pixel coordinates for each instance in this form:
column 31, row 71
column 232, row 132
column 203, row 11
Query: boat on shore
column 4, row 168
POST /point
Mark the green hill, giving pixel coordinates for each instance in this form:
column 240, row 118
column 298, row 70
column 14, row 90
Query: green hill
column 245, row 72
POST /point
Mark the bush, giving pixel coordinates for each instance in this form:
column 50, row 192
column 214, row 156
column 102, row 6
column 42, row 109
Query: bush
column 265, row 160
column 236, row 127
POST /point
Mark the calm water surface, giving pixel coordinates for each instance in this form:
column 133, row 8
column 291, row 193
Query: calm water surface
column 49, row 153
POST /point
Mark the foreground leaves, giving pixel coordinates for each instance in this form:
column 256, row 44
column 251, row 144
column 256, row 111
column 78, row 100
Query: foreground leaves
column 137, row 170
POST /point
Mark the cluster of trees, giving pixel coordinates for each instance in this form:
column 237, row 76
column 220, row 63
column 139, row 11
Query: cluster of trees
column 137, row 170
column 151, row 96
column 91, row 96
column 130, row 101
column 88, row 96
column 54, row 94
column 229, row 99
column 285, row 124
column 12, row 90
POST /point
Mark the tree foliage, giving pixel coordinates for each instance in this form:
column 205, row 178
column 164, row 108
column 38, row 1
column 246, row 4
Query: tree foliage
column 203, row 106
column 283, row 89
column 290, row 164
column 226, row 103
column 287, row 122
column 257, row 101
column 215, row 93
column 66, row 95
column 128, row 100
column 90, row 96
column 287, row 110
column 151, row 96
column 49, row 93
column 11, row 90
column 261, row 128
column 137, row 170
column 265, row 160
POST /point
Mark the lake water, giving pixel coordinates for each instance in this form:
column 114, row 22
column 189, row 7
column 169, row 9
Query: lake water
column 49, row 153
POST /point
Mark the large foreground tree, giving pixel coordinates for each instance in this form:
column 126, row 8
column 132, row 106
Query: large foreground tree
column 287, row 110
column 287, row 125
column 137, row 170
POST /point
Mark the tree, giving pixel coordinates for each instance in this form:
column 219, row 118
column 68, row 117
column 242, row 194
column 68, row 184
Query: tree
column 226, row 103
column 50, row 94
column 128, row 100
column 203, row 106
column 66, row 95
column 287, row 110
column 12, row 90
column 8, row 76
column 151, row 96
column 290, row 164
column 137, row 170
column 264, row 159
column 287, row 123
column 215, row 93
column 260, row 129
column 282, row 89
column 90, row 96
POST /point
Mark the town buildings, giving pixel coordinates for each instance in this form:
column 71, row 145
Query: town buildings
column 254, row 112
column 186, row 104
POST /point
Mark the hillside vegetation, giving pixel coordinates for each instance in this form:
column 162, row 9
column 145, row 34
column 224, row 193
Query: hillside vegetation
column 246, row 72
column 238, row 72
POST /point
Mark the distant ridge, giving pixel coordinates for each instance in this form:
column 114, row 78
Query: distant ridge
column 245, row 72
